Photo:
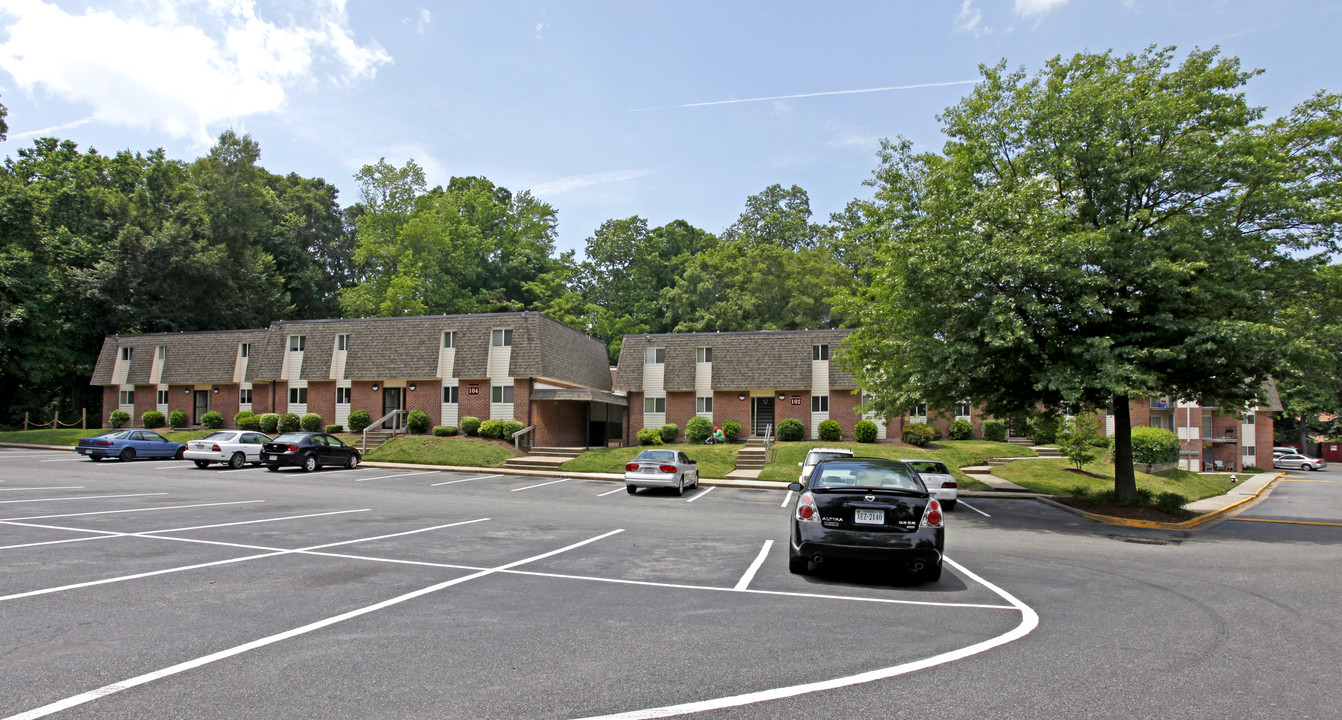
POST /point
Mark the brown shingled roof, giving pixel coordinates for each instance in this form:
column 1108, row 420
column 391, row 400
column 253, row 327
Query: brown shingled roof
column 764, row 360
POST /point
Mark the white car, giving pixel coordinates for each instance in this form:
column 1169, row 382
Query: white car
column 1296, row 461
column 234, row 448
column 938, row 480
column 661, row 468
column 816, row 455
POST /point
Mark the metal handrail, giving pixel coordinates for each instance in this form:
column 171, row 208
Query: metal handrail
column 395, row 427
column 768, row 438
column 517, row 437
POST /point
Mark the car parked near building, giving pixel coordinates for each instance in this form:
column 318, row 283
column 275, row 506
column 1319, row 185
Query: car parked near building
column 308, row 451
column 1296, row 461
column 127, row 445
column 867, row 509
column 661, row 468
column 232, row 447
column 817, row 455
column 938, row 479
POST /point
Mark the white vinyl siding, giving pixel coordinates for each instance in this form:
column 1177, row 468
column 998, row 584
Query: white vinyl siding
column 298, row 396
column 339, row 354
column 654, row 412
column 703, row 385
column 881, row 429
column 451, row 407
column 162, row 400
column 126, row 399
column 500, row 362
column 654, row 387
column 344, row 392
column 245, row 397
column 240, row 363
column 293, row 359
column 819, row 388
column 156, row 369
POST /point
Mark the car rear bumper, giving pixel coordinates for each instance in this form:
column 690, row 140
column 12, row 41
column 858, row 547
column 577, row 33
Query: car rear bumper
column 98, row 452
column 281, row 459
column 207, row 455
column 924, row 545
column 650, row 479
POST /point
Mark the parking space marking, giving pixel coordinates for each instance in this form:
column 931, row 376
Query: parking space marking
column 388, row 477
column 696, row 497
column 107, row 535
column 971, row 507
column 33, row 454
column 453, row 482
column 612, row 492
column 744, row 582
column 786, row 499
column 115, row 512
column 85, row 497
column 106, row 690
column 1295, row 479
column 75, row 459
column 56, row 487
column 529, row 487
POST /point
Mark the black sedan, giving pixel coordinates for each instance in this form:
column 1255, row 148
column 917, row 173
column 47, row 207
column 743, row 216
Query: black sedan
column 867, row 509
column 308, row 451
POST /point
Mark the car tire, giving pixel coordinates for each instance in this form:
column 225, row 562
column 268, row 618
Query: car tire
column 237, row 461
column 1310, row 468
column 631, row 489
column 309, row 463
column 352, row 463
column 680, row 485
column 127, row 455
column 201, row 463
column 180, row 454
column 696, row 482
column 273, row 468
column 949, row 504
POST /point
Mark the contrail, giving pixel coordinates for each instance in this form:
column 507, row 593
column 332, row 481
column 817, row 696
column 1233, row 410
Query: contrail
column 814, row 94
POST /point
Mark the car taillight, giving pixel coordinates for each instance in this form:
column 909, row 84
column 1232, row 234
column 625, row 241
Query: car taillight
column 215, row 449
column 932, row 515
column 667, row 468
column 293, row 448
column 806, row 509
column 104, row 443
column 631, row 467
column 948, row 485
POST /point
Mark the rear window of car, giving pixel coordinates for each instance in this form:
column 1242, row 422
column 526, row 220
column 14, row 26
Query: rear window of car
column 816, row 457
column 219, row 436
column 929, row 467
column 290, row 438
column 840, row 475
column 657, row 456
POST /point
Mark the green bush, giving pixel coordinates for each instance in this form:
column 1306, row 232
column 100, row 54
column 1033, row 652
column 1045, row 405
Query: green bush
column 1043, row 429
column 649, row 436
column 1154, row 445
column 247, row 420
column 790, row 430
column 697, row 430
column 1079, row 492
column 731, row 430
column 1170, row 502
column 312, row 422
column 1076, row 440
column 444, row 430
column 865, row 431
column 118, row 418
column 152, row 419
column 418, row 422
column 1141, row 498
column 936, row 433
column 669, row 432
column 270, row 423
column 917, row 434
column 994, row 431
column 177, row 418
column 492, row 429
column 962, row 430
column 359, row 420
column 510, row 427
column 333, row 429
column 212, row 420
column 1252, row 469
column 289, row 422
column 829, row 431
column 470, row 425
column 1100, row 441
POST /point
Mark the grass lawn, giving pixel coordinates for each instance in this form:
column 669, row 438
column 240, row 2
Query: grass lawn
column 432, row 450
column 715, row 461
column 1057, row 476
column 70, row 436
column 955, row 453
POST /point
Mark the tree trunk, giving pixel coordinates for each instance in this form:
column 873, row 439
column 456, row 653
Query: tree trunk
column 1304, row 433
column 1125, row 479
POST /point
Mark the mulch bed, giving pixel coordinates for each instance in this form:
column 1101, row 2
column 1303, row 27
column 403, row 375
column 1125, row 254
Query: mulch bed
column 1126, row 512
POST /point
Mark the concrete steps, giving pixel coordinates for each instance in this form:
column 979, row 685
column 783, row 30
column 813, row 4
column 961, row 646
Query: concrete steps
column 544, row 458
column 373, row 439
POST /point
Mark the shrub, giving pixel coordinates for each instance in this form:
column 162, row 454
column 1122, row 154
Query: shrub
column 917, row 434
column 994, row 431
column 1170, row 502
column 829, row 431
column 312, row 422
column 418, row 422
column 731, row 430
column 1252, row 469
column 1077, row 440
column 649, row 436
column 1079, row 492
column 1154, row 445
column 492, row 429
column 118, row 418
column 333, row 429
column 270, row 423
column 359, row 420
column 1141, row 498
column 962, row 429
column 152, row 419
column 470, row 425
column 510, row 427
column 790, row 430
column 177, row 418
column 444, row 430
column 697, row 430
column 936, row 433
column 289, row 422
column 1043, row 429
column 247, row 420
column 1100, row 441
column 865, row 431
column 212, row 420
column 669, row 432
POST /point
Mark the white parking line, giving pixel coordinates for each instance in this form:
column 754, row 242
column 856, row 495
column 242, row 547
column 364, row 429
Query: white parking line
column 971, row 507
column 744, row 582
column 76, row 459
column 238, row 650
column 107, row 535
column 116, row 512
column 386, row 477
column 31, row 454
column 696, row 497
column 453, row 482
column 787, row 499
column 85, row 497
column 529, row 487
column 612, row 492
column 55, row 487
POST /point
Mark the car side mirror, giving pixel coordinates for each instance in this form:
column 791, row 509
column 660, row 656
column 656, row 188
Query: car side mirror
column 795, row 487
column 694, row 462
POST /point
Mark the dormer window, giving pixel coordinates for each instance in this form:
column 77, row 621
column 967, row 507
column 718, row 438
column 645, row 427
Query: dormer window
column 703, row 355
column 449, row 339
column 342, row 342
column 125, row 354
column 502, row 337
column 161, row 351
column 297, row 343
column 244, row 349
column 819, row 352
column 654, row 356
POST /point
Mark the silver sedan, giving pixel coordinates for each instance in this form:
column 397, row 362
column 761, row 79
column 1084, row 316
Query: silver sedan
column 234, row 448
column 1296, row 461
column 661, row 468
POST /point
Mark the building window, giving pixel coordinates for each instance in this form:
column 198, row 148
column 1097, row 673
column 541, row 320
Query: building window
column 703, row 404
column 1155, row 421
column 450, row 339
column 1249, row 419
column 502, row 338
column 962, row 409
column 1249, row 451
column 297, row 343
column 919, row 410
column 704, row 355
column 450, row 394
column 162, row 397
column 245, row 396
column 819, row 352
column 343, row 395
column 127, row 397
column 501, row 394
column 161, row 351
column 244, row 349
column 1158, row 403
column 342, row 342
column 654, row 356
column 819, row 403
column 125, row 354
column 654, row 405
column 298, row 396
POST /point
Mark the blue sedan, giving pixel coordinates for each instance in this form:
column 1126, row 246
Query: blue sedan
column 129, row 444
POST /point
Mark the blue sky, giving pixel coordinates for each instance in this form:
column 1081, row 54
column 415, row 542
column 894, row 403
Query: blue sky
column 602, row 109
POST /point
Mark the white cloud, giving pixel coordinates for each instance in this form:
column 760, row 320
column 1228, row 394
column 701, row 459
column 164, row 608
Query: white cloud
column 1037, row 7
column 538, row 29
column 574, row 182
column 179, row 68
column 970, row 20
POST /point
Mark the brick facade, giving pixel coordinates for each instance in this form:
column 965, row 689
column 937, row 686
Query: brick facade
column 843, row 405
column 680, row 408
column 726, row 407
column 635, row 418
column 225, row 402
column 321, row 399
column 476, row 405
column 784, row 409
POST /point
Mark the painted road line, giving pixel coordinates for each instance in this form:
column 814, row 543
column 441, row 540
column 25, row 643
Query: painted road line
column 744, row 582
column 453, row 482
column 612, row 492
column 107, row 535
column 1288, row 522
column 786, row 499
column 55, row 487
column 387, row 477
column 74, row 459
column 696, row 497
column 1291, row 479
column 41, row 454
column 552, row 482
column 106, row 690
column 83, row 497
column 116, row 512
column 971, row 507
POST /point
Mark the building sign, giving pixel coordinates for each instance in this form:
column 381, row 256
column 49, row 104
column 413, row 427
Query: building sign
column 796, row 399
column 472, row 389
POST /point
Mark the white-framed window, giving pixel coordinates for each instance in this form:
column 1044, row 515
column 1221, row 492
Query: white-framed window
column 125, row 355
column 244, row 396
column 343, row 395
column 298, row 396
column 1249, row 419
column 244, row 349
column 819, row 403
column 127, row 397
column 819, row 352
column 703, row 355
column 297, row 343
column 161, row 351
column 962, row 409
column 450, row 339
column 1249, row 451
column 342, row 342
column 501, row 393
column 1155, row 421
column 654, row 404
column 919, row 410
column 654, row 356
column 501, row 337
column 450, row 394
column 162, row 397
column 703, row 404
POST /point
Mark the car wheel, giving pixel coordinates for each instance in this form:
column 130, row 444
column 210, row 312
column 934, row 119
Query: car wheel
column 631, row 489
column 1310, row 468
column 680, row 485
column 237, row 461
column 796, row 564
column 696, row 482
column 181, row 453
column 273, row 468
column 949, row 504
column 201, row 463
column 309, row 463
column 353, row 462
column 127, row 455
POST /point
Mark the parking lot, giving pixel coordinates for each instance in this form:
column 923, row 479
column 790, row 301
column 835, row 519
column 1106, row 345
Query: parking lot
column 156, row 589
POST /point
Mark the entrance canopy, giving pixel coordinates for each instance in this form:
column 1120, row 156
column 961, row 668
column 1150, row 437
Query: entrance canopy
column 581, row 395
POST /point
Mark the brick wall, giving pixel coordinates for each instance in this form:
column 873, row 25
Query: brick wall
column 1140, row 411
column 362, row 396
column 727, row 407
column 473, row 405
column 843, row 406
column 111, row 394
column 784, row 409
column 635, row 418
column 558, row 423
column 1263, row 440
column 261, row 398
column 321, row 399
column 281, row 389
column 522, row 411
column 680, row 408
column 225, row 402
column 145, row 397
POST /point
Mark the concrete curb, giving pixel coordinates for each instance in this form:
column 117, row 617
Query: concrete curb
column 1228, row 503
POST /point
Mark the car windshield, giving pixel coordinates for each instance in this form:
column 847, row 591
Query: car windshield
column 290, row 438
column 815, row 457
column 658, row 456
column 928, row 466
column 220, row 436
column 838, row 474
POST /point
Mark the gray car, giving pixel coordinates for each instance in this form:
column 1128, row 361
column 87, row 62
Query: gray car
column 1296, row 461
column 661, row 468
column 938, row 479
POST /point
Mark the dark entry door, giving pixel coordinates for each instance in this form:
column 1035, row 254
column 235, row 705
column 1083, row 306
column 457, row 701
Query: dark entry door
column 763, row 409
column 200, row 405
column 393, row 398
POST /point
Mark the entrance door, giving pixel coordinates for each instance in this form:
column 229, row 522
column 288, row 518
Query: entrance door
column 200, row 405
column 763, row 410
column 393, row 398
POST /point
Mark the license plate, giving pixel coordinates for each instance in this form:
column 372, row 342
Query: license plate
column 649, row 470
column 869, row 517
